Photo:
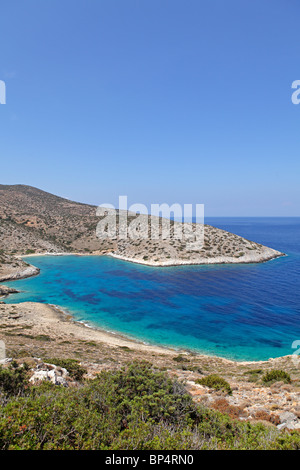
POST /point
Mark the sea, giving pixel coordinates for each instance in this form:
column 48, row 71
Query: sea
column 246, row 312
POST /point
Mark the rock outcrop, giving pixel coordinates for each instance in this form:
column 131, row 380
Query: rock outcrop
column 289, row 421
column 16, row 273
column 50, row 373
column 4, row 291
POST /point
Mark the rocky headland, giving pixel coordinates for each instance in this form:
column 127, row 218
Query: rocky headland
column 35, row 222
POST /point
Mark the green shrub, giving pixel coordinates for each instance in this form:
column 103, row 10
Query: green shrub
column 13, row 380
column 135, row 408
column 276, row 375
column 180, row 358
column 29, row 251
column 253, row 374
column 216, row 382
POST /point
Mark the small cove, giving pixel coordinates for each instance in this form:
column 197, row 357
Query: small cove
column 242, row 312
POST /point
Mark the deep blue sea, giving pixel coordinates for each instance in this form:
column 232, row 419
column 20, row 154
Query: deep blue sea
column 242, row 312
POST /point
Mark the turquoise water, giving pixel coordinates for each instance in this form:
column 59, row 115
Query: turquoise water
column 243, row 312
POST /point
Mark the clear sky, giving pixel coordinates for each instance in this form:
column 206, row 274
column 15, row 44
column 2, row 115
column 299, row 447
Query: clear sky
column 165, row 101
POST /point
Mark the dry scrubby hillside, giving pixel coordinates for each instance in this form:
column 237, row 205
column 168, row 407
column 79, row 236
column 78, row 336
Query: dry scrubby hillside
column 45, row 222
column 32, row 220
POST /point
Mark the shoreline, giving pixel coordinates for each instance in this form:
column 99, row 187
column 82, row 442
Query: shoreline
column 116, row 338
column 111, row 335
column 204, row 262
column 52, row 316
column 80, row 329
column 270, row 254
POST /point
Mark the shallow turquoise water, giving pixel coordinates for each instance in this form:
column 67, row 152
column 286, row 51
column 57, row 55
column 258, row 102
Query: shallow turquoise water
column 245, row 312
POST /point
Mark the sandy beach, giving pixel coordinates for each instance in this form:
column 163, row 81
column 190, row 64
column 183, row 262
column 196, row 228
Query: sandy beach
column 27, row 323
column 52, row 319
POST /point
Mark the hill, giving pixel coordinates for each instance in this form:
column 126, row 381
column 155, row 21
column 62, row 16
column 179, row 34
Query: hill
column 34, row 221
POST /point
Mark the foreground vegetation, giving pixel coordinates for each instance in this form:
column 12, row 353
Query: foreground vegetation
column 136, row 408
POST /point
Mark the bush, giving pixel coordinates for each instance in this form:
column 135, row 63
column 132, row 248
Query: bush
column 253, row 374
column 29, row 251
column 223, row 406
column 216, row 382
column 93, row 417
column 13, row 380
column 265, row 416
column 276, row 376
column 180, row 358
column 135, row 408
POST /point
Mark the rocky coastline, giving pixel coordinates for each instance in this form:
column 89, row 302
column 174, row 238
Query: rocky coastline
column 267, row 254
column 5, row 291
column 23, row 273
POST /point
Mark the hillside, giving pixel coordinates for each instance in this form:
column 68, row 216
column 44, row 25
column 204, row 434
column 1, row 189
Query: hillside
column 34, row 221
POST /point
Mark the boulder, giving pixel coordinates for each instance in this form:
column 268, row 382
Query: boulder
column 51, row 373
column 5, row 291
column 288, row 420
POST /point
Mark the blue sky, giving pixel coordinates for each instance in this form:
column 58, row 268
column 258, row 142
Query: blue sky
column 165, row 101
